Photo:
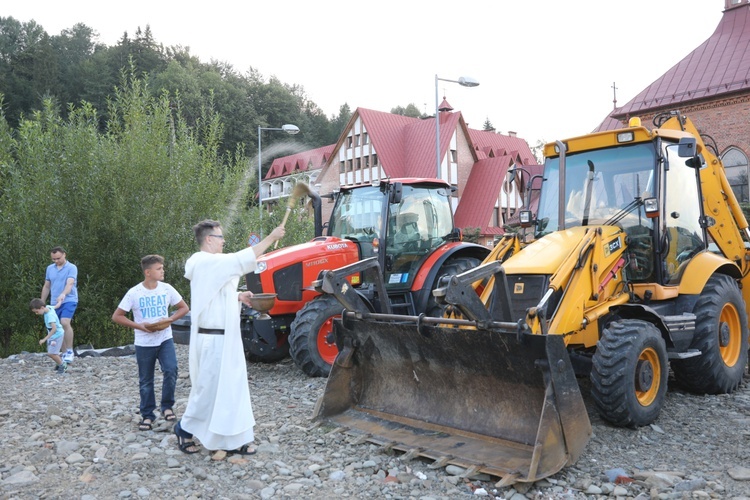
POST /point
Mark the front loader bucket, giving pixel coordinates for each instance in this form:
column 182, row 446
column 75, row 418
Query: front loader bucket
column 490, row 401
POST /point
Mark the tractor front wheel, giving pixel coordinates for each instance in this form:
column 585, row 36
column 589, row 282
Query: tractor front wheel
column 629, row 373
column 311, row 342
column 451, row 267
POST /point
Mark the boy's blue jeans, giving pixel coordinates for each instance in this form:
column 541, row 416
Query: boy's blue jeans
column 146, row 358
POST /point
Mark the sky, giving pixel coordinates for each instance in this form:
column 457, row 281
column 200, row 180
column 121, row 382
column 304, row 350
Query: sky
column 545, row 68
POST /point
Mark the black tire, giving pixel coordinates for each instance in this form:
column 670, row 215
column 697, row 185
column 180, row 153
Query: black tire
column 450, row 267
column 629, row 373
column 721, row 336
column 311, row 342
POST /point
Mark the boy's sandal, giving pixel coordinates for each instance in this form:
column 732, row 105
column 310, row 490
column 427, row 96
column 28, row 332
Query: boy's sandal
column 243, row 450
column 145, row 425
column 169, row 415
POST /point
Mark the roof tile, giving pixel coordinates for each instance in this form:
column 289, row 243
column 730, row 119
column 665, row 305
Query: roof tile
column 720, row 65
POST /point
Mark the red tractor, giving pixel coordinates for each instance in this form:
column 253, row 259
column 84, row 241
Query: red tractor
column 399, row 228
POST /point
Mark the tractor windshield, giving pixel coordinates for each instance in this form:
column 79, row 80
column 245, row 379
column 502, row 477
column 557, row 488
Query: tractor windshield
column 604, row 186
column 357, row 216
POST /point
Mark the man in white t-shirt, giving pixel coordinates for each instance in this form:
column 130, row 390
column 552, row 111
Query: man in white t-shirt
column 150, row 301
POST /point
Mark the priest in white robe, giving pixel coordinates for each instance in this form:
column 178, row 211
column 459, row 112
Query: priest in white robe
column 218, row 412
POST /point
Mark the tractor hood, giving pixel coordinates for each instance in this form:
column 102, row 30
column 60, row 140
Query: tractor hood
column 316, row 253
column 290, row 271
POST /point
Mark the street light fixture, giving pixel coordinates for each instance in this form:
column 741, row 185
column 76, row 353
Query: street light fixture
column 289, row 129
column 464, row 81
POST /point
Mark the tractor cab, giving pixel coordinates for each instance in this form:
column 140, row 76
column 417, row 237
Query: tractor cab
column 400, row 222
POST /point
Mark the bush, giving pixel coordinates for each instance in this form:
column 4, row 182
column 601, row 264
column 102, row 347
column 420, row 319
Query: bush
column 108, row 199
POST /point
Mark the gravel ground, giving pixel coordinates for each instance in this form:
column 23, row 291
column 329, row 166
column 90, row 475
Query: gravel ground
column 75, row 436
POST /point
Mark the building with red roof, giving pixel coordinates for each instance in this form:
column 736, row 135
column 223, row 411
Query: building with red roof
column 375, row 145
column 711, row 85
column 286, row 171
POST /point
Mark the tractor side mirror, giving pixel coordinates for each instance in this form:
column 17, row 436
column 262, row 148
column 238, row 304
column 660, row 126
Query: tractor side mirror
column 455, row 235
column 511, row 175
column 526, row 218
column 397, row 193
column 686, row 148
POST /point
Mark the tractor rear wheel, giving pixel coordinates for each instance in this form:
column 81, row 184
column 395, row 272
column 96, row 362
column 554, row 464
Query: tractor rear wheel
column 721, row 336
column 451, row 267
column 629, row 373
column 311, row 341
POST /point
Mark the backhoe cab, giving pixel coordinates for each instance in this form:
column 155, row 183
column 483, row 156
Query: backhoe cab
column 639, row 264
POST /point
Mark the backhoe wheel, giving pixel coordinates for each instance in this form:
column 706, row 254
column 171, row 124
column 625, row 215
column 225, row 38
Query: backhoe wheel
column 311, row 341
column 629, row 373
column 721, row 336
column 450, row 267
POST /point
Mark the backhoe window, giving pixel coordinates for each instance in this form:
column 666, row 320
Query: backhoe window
column 601, row 187
column 682, row 218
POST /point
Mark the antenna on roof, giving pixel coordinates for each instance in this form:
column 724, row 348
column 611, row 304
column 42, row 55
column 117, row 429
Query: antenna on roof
column 614, row 92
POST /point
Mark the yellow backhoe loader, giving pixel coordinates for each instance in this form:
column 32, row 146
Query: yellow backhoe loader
column 639, row 264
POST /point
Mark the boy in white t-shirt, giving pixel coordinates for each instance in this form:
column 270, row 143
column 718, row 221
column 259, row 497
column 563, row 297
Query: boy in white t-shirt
column 54, row 338
column 150, row 301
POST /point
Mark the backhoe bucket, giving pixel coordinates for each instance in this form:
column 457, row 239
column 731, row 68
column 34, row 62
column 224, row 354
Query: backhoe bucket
column 498, row 402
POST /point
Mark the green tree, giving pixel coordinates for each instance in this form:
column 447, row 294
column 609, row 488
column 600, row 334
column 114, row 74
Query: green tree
column 73, row 48
column 28, row 66
column 339, row 122
column 488, row 127
column 73, row 67
column 471, row 234
column 411, row 110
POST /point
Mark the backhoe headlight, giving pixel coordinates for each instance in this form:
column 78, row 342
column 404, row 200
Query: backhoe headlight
column 625, row 137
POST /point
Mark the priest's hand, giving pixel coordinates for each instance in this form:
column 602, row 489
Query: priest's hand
column 278, row 233
column 245, row 297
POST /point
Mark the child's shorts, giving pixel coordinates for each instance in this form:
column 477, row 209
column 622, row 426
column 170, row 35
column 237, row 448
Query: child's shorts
column 54, row 345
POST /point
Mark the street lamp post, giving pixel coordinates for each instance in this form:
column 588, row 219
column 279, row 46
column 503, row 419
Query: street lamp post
column 289, row 129
column 464, row 81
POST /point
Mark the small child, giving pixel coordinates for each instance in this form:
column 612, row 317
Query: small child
column 55, row 332
column 150, row 301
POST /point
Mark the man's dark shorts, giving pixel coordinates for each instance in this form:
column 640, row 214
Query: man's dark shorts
column 66, row 310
